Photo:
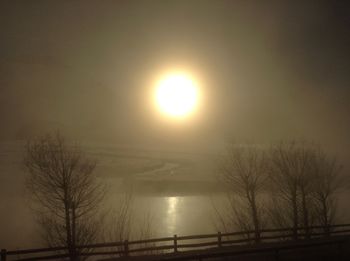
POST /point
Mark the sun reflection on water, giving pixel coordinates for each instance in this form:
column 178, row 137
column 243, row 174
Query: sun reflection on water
column 172, row 203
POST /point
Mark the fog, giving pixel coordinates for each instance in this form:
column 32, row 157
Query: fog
column 268, row 71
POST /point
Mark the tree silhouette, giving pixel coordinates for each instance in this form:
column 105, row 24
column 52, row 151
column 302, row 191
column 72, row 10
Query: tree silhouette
column 64, row 190
column 290, row 176
column 327, row 183
column 304, row 183
column 244, row 171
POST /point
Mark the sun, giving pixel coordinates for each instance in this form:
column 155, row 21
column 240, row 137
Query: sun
column 177, row 95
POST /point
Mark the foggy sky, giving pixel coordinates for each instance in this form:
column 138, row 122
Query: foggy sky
column 269, row 70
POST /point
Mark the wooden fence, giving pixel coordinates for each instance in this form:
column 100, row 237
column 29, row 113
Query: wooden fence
column 178, row 243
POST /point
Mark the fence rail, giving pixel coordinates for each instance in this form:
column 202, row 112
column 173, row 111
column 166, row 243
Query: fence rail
column 176, row 243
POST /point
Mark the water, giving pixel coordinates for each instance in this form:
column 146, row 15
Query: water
column 166, row 187
column 181, row 215
column 175, row 190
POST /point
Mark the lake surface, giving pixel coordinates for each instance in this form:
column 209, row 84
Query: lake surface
column 173, row 189
column 176, row 190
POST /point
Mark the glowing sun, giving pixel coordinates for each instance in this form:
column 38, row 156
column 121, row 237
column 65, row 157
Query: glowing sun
column 176, row 95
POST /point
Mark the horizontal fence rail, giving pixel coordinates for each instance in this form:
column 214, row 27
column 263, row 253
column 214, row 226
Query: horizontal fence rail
column 174, row 244
column 258, row 250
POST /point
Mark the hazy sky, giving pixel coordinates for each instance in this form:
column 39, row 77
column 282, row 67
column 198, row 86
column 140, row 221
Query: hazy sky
column 269, row 69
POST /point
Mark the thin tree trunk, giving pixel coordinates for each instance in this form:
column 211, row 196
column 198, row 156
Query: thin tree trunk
column 295, row 216
column 74, row 252
column 68, row 229
column 325, row 218
column 255, row 220
column 305, row 213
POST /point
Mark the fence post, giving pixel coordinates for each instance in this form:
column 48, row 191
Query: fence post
column 3, row 254
column 219, row 239
column 126, row 248
column 175, row 243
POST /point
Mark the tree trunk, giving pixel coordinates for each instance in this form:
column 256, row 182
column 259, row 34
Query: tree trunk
column 68, row 229
column 295, row 216
column 255, row 219
column 325, row 217
column 305, row 213
column 74, row 251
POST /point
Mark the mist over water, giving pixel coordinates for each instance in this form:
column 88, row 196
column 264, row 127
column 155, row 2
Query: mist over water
column 159, row 185
column 177, row 191
column 156, row 92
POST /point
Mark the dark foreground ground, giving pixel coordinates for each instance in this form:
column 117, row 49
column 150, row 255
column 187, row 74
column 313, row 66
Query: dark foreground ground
column 335, row 248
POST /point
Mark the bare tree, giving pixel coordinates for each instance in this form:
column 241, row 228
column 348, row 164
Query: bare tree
column 120, row 221
column 65, row 191
column 124, row 225
column 233, row 213
column 326, row 184
column 305, row 180
column 279, row 213
column 303, row 155
column 244, row 171
column 287, row 162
